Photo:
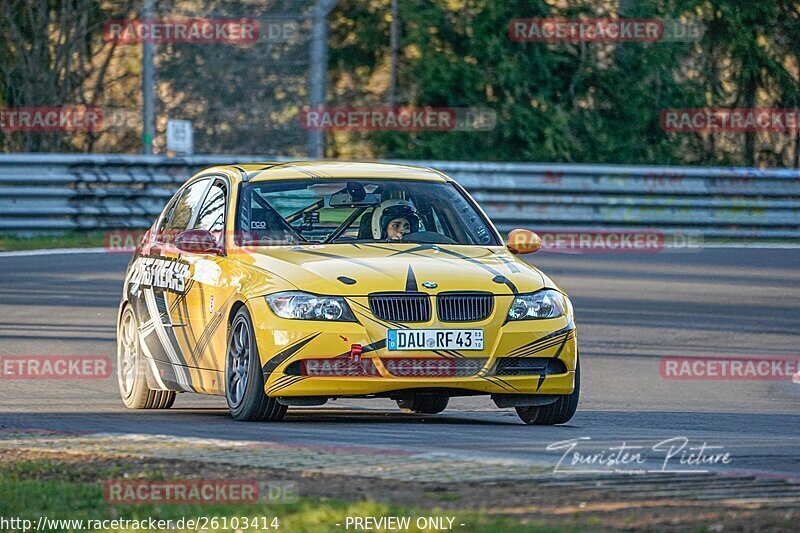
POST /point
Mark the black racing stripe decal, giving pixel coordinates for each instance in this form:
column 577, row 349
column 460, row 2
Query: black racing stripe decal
column 512, row 267
column 451, row 353
column 169, row 330
column 411, row 281
column 181, row 297
column 542, row 376
column 208, row 332
column 561, row 349
column 539, row 348
column 556, row 333
column 487, row 268
column 281, row 379
column 273, row 363
column 501, row 380
column 416, row 249
column 287, row 383
column 502, row 385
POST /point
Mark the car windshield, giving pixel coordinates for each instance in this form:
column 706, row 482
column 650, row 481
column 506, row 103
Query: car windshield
column 323, row 211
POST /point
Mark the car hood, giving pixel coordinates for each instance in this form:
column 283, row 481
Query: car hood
column 360, row 269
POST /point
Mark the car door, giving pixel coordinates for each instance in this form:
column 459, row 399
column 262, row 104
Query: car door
column 158, row 287
column 209, row 293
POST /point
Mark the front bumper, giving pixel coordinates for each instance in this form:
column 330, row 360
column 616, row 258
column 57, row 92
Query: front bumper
column 283, row 343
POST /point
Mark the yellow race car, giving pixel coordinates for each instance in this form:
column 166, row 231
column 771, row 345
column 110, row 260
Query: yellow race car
column 290, row 284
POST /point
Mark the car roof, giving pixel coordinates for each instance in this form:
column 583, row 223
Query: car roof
column 287, row 170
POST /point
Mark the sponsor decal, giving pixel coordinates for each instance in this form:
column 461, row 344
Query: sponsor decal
column 158, row 273
column 54, row 367
column 730, row 368
column 180, row 492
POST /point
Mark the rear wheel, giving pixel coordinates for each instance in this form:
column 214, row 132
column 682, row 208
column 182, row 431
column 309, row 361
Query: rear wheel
column 559, row 412
column 429, row 405
column 244, row 379
column 132, row 369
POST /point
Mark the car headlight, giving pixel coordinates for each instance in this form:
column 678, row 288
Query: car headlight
column 546, row 303
column 304, row 306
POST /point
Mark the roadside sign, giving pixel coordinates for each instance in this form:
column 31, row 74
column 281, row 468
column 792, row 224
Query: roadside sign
column 180, row 138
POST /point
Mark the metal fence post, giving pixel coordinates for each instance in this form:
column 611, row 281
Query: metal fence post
column 318, row 70
column 148, row 87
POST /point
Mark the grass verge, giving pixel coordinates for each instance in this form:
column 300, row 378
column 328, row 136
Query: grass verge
column 59, row 491
column 72, row 239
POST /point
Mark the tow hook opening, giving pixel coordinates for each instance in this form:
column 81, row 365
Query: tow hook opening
column 355, row 353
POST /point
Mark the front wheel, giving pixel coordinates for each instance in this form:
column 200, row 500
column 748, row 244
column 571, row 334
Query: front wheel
column 132, row 369
column 559, row 412
column 244, row 379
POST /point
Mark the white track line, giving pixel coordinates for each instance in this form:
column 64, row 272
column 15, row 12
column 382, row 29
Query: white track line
column 54, row 251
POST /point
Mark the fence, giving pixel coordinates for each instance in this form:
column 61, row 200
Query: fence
column 45, row 193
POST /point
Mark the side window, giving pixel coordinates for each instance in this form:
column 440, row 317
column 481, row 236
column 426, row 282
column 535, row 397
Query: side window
column 182, row 211
column 211, row 216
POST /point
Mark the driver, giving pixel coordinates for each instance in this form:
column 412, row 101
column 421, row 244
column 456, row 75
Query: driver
column 394, row 219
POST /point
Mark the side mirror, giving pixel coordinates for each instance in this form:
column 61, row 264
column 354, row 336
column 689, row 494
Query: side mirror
column 523, row 241
column 197, row 241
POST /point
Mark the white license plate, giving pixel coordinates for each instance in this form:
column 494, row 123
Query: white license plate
column 434, row 339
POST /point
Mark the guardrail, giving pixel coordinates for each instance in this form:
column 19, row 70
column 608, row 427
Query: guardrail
column 47, row 192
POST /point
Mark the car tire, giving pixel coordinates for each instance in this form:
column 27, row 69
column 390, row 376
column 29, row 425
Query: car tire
column 244, row 379
column 559, row 412
column 428, row 405
column 132, row 369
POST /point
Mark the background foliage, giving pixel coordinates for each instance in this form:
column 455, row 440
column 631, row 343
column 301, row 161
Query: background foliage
column 573, row 102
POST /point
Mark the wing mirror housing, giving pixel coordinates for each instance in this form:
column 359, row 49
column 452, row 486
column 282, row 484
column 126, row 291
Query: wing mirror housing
column 197, row 241
column 523, row 241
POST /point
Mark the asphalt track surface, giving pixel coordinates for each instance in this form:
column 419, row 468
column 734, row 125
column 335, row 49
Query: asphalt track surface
column 632, row 309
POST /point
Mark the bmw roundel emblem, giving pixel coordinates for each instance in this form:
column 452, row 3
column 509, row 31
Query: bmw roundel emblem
column 429, row 284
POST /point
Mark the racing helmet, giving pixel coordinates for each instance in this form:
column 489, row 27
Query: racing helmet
column 390, row 210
